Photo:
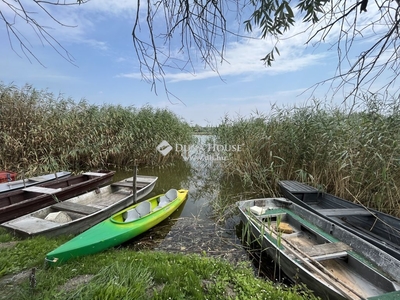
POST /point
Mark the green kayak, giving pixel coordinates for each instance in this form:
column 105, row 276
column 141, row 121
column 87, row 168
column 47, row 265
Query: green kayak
column 121, row 227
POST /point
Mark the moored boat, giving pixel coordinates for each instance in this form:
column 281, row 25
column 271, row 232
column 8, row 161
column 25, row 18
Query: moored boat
column 12, row 185
column 310, row 249
column 79, row 213
column 119, row 228
column 7, row 176
column 378, row 228
column 20, row 202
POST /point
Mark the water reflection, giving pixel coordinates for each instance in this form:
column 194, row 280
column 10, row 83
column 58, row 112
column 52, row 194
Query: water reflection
column 202, row 177
column 205, row 182
column 193, row 172
column 179, row 176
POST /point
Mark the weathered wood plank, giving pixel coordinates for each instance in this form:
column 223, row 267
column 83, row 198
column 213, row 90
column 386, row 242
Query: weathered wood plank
column 327, row 250
column 129, row 184
column 94, row 174
column 42, row 190
column 75, row 207
column 336, row 212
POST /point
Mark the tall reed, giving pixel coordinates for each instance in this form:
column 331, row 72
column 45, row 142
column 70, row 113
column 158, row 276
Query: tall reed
column 352, row 154
column 42, row 133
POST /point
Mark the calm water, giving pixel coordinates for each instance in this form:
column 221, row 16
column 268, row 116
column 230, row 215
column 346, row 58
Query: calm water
column 195, row 173
column 179, row 176
column 199, row 173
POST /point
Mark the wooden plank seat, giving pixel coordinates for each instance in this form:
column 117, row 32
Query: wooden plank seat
column 339, row 212
column 41, row 190
column 129, row 184
column 75, row 207
column 94, row 174
column 326, row 251
column 296, row 187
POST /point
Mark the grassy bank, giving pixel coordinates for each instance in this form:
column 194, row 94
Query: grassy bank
column 352, row 154
column 41, row 133
column 126, row 274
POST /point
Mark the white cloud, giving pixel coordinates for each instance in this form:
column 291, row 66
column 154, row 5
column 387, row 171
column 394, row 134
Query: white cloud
column 119, row 7
column 243, row 58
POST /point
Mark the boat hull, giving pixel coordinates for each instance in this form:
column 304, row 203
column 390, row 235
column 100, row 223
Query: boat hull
column 81, row 212
column 7, row 176
column 371, row 271
column 21, row 202
column 114, row 231
column 376, row 227
column 19, row 184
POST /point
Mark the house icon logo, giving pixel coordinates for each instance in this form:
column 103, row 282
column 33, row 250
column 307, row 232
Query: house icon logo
column 164, row 148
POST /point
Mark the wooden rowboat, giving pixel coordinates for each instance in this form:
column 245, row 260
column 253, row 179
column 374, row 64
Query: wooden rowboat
column 330, row 260
column 7, row 176
column 22, row 183
column 20, row 202
column 121, row 227
column 378, row 228
column 79, row 213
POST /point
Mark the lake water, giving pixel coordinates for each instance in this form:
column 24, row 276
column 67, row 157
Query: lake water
column 178, row 176
column 198, row 172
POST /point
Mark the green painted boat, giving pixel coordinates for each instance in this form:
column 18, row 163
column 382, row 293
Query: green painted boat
column 119, row 228
column 310, row 249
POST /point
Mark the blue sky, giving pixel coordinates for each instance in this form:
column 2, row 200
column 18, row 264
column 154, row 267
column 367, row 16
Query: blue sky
column 106, row 69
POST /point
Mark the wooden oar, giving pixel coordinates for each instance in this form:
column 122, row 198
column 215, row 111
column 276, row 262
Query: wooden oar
column 315, row 266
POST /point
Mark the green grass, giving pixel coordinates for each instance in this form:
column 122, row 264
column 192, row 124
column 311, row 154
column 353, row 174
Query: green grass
column 126, row 274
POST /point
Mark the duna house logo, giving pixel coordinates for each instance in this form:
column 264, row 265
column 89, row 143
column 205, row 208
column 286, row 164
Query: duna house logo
column 200, row 151
column 164, row 148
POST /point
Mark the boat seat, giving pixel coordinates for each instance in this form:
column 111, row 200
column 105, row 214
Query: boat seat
column 171, row 195
column 97, row 174
column 336, row 212
column 42, row 190
column 75, row 207
column 326, row 251
column 296, row 187
column 142, row 209
column 129, row 184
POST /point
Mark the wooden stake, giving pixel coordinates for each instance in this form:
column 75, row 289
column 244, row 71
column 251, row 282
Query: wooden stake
column 134, row 181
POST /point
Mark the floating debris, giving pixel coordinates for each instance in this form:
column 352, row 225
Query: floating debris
column 204, row 237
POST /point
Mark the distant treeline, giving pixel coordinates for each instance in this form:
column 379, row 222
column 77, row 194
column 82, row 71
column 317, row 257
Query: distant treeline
column 203, row 130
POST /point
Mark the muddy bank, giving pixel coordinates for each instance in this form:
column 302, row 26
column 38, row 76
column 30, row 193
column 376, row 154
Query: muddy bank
column 204, row 237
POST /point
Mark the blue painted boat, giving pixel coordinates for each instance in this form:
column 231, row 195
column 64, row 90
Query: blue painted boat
column 378, row 228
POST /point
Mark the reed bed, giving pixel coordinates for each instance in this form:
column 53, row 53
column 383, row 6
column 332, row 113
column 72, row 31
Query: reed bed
column 41, row 133
column 354, row 154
